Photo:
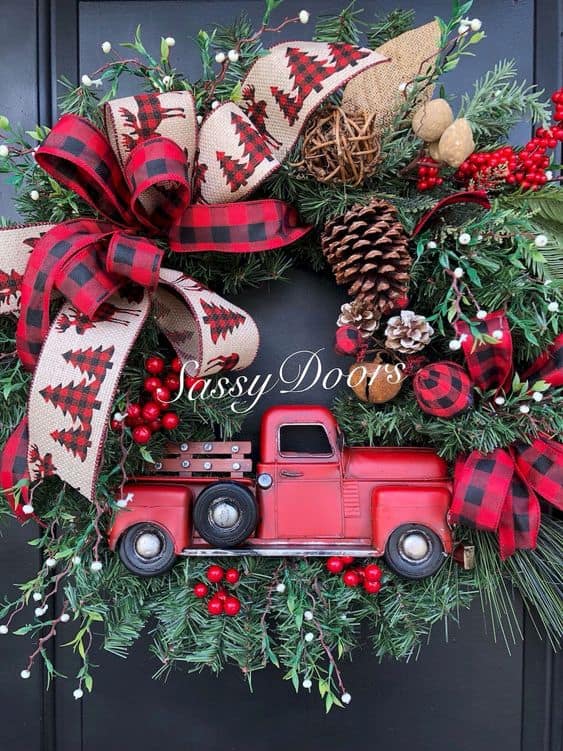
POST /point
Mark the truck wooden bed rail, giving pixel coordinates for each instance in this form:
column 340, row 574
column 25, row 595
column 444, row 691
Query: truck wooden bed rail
column 205, row 458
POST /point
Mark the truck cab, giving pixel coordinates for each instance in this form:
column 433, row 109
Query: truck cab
column 311, row 495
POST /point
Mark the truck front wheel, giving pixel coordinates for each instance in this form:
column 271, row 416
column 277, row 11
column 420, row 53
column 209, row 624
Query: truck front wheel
column 147, row 549
column 414, row 551
column 225, row 514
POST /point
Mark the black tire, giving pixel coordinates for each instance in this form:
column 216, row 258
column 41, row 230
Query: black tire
column 235, row 517
column 147, row 565
column 414, row 567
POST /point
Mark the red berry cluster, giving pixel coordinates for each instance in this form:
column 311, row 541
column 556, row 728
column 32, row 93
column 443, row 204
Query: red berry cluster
column 161, row 385
column 428, row 174
column 525, row 168
column 221, row 602
column 369, row 576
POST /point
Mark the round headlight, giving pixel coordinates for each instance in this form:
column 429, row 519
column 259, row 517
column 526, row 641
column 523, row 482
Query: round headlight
column 264, row 480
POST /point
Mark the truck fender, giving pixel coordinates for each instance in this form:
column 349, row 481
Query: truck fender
column 169, row 506
column 394, row 505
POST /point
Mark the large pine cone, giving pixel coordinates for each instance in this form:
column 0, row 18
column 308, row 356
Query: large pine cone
column 367, row 250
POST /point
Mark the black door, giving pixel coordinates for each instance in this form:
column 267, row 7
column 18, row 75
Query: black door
column 467, row 695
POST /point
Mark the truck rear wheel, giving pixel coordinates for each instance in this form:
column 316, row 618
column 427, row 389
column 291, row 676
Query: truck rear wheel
column 414, row 551
column 225, row 514
column 147, row 549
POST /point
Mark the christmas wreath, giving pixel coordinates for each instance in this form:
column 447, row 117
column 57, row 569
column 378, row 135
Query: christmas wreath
column 448, row 241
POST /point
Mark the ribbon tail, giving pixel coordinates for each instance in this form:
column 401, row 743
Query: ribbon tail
column 541, row 466
column 208, row 333
column 548, row 366
column 13, row 469
column 17, row 244
column 74, row 386
column 520, row 519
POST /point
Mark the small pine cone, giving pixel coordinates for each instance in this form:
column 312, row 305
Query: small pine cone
column 367, row 248
column 360, row 314
column 407, row 332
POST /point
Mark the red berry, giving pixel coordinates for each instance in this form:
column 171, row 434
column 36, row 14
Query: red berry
column 176, row 365
column 116, row 424
column 172, row 382
column 170, row 420
column 232, row 575
column 221, row 594
column 194, row 383
column 133, row 410
column 151, row 383
column 141, row 434
column 334, row 565
column 201, row 589
column 215, row 606
column 154, row 426
column 347, row 560
column 151, row 411
column 154, row 365
column 350, row 578
column 231, row 606
column 423, row 185
column 132, row 422
column 161, row 395
column 372, row 587
column 402, row 302
column 214, row 574
column 373, row 572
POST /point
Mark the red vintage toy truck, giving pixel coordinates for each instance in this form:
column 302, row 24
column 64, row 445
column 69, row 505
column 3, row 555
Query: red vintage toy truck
column 312, row 496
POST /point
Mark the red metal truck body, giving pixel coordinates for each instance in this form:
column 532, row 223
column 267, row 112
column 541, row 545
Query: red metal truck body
column 343, row 499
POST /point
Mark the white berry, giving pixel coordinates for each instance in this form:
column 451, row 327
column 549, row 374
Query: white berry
column 304, row 16
column 233, row 56
column 524, row 409
column 553, row 307
column 280, row 588
column 76, row 560
column 86, row 81
column 106, row 48
column 4, row 150
column 65, row 618
column 215, row 104
column 497, row 334
column 309, row 636
column 170, row 41
column 481, row 314
column 547, row 282
column 346, row 698
column 34, row 195
column 307, row 683
column 25, row 674
column 37, row 596
column 96, row 566
column 78, row 693
column 308, row 615
column 50, row 562
column 476, row 24
column 462, row 28
column 199, row 119
column 454, row 345
column 537, row 396
column 38, row 612
column 500, row 400
column 549, row 174
column 403, row 86
column 431, row 245
column 220, row 57
column 540, row 241
column 167, row 80
column 458, row 272
column 27, row 508
column 464, row 238
column 3, row 629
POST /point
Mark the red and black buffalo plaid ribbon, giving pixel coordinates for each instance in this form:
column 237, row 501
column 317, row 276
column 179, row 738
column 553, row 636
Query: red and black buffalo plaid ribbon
column 500, row 491
column 88, row 259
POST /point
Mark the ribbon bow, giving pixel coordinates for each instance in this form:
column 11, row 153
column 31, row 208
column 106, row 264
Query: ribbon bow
column 499, row 491
column 154, row 175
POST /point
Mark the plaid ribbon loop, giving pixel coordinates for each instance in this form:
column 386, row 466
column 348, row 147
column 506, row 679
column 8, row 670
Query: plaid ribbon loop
column 500, row 491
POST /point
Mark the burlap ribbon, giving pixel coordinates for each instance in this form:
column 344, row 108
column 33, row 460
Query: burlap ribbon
column 500, row 491
column 153, row 175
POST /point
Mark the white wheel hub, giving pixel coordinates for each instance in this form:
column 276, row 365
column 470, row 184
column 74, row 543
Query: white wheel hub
column 414, row 546
column 224, row 514
column 148, row 545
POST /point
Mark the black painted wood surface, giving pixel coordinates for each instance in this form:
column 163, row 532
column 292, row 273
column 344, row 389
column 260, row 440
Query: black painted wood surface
column 469, row 694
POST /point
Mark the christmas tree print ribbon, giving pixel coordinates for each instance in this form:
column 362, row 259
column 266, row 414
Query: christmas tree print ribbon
column 154, row 175
column 500, row 491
